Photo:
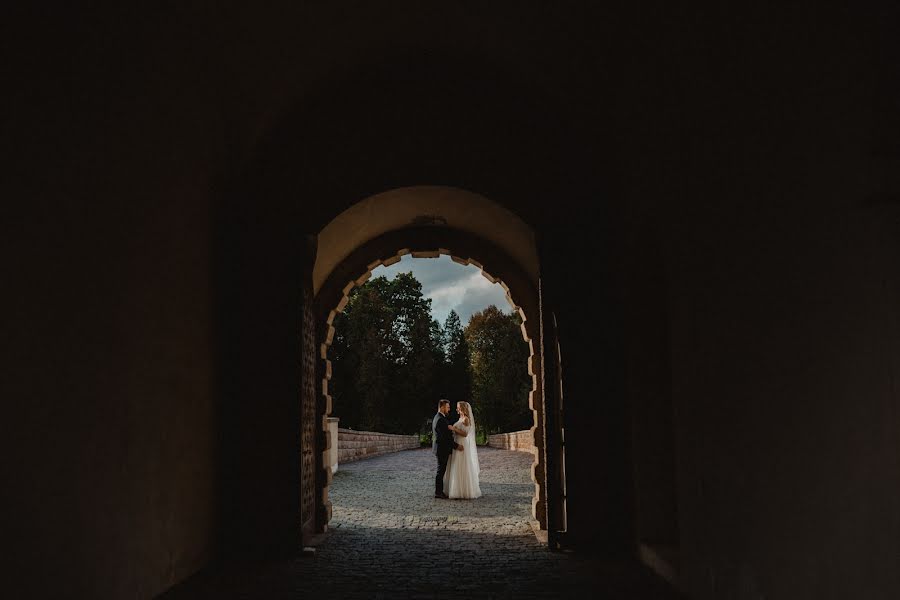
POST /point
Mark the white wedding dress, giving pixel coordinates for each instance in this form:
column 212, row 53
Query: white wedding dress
column 461, row 478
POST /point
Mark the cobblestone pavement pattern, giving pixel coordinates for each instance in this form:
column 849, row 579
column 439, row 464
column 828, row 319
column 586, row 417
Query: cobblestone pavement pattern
column 390, row 538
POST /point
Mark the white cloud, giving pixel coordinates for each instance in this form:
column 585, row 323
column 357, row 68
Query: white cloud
column 450, row 286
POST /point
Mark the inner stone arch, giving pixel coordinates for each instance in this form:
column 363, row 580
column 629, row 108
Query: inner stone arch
column 353, row 245
column 424, row 206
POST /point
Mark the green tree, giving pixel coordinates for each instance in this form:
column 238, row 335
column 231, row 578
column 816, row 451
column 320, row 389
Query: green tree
column 457, row 373
column 416, row 368
column 362, row 348
column 386, row 356
column 392, row 361
column 500, row 380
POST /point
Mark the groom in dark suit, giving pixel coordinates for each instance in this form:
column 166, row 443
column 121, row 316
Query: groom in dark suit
column 442, row 445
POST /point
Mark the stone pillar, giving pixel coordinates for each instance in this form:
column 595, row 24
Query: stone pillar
column 333, row 450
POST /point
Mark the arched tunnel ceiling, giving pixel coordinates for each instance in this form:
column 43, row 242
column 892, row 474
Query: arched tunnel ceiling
column 424, row 205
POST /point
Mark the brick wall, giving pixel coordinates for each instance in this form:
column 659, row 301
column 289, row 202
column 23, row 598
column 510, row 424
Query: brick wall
column 516, row 440
column 354, row 445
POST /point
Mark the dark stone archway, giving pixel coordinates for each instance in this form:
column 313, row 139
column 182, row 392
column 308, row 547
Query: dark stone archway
column 323, row 157
column 429, row 242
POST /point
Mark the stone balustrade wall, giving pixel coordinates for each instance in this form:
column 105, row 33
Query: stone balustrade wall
column 354, row 445
column 516, row 440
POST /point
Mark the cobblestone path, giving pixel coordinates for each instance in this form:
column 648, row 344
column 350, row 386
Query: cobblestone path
column 390, row 538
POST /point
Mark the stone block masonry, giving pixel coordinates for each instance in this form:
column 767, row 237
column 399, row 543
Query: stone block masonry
column 354, row 445
column 523, row 441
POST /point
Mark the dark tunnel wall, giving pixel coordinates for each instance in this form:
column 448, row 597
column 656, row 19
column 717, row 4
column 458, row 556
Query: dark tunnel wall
column 164, row 168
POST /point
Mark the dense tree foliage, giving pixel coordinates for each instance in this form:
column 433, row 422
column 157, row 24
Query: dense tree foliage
column 386, row 356
column 499, row 365
column 392, row 361
column 457, row 368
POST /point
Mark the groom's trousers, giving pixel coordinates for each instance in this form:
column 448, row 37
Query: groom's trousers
column 439, row 478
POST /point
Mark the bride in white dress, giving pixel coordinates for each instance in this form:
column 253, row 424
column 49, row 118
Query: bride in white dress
column 461, row 478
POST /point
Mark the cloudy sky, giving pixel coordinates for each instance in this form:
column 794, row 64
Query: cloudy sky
column 450, row 286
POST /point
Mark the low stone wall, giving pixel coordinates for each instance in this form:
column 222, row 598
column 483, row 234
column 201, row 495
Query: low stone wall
column 516, row 440
column 354, row 445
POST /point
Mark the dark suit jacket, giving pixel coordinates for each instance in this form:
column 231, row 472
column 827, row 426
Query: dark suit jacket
column 441, row 438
